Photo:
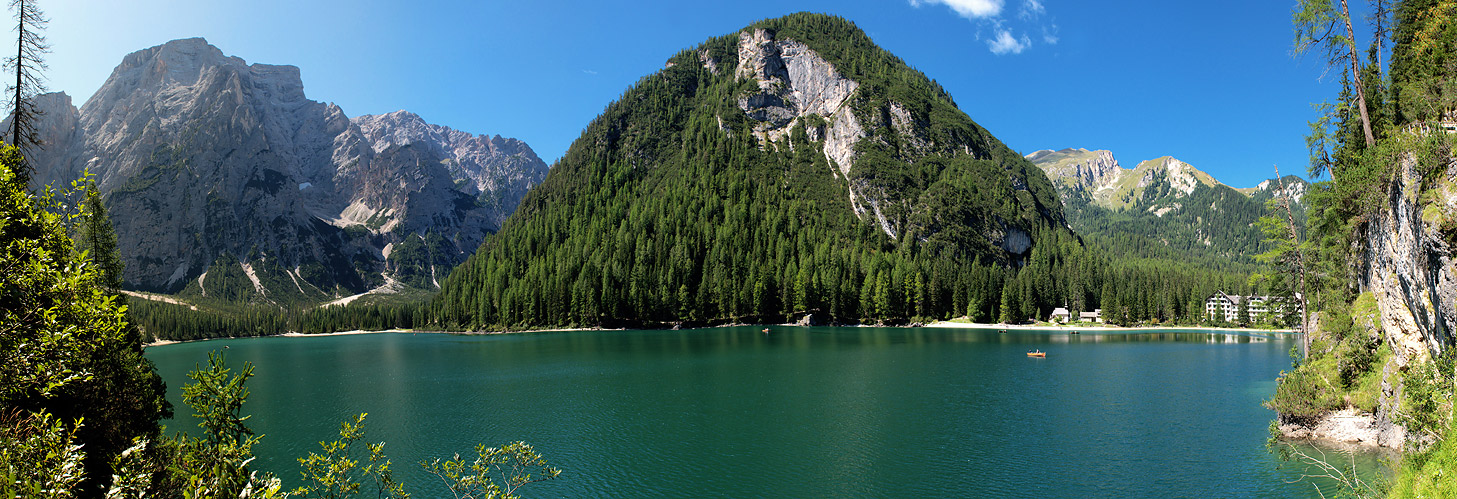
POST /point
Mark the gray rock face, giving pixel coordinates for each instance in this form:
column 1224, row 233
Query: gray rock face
column 497, row 170
column 200, row 155
column 1411, row 270
column 1079, row 169
column 794, row 83
column 798, row 86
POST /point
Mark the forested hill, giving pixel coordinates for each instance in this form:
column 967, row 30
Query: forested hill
column 792, row 167
column 1163, row 207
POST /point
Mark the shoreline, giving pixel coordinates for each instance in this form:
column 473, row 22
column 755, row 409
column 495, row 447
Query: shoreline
column 937, row 324
column 1101, row 328
column 1347, row 429
column 296, row 334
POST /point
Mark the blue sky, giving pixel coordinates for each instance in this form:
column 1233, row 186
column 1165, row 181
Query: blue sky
column 1211, row 83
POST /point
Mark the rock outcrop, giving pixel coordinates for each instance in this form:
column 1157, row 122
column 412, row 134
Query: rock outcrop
column 796, row 86
column 1185, row 209
column 201, row 155
column 1097, row 177
column 1079, row 170
column 1411, row 272
column 1410, row 267
column 497, row 170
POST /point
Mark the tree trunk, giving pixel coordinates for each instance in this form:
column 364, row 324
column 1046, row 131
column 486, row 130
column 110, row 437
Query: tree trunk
column 1356, row 76
column 19, row 74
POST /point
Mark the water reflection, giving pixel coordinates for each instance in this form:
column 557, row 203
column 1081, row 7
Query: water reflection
column 798, row 412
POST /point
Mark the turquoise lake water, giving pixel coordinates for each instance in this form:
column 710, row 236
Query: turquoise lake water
column 800, row 412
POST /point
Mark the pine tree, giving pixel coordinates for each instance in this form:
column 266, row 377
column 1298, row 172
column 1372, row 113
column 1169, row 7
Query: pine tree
column 98, row 239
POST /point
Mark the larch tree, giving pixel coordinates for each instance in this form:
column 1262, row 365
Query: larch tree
column 1319, row 23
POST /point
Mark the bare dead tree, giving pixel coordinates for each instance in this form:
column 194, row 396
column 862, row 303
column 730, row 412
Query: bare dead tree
column 1346, row 480
column 27, row 64
column 1304, row 298
column 1380, row 21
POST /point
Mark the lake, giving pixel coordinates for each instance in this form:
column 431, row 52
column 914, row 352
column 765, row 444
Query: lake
column 800, row 412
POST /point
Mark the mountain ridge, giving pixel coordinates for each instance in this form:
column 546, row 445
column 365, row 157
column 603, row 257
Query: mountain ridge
column 201, row 155
column 1164, row 201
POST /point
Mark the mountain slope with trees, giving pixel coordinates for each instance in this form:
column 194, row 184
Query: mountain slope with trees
column 793, row 169
column 1163, row 208
column 788, row 169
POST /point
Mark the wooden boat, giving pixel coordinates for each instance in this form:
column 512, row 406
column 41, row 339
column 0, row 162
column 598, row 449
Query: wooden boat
column 1075, row 332
column 1037, row 353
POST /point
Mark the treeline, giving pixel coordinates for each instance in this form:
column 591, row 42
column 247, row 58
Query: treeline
column 896, row 288
column 167, row 321
column 839, row 285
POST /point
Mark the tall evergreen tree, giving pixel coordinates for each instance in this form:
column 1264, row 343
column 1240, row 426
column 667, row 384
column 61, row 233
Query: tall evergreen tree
column 1319, row 23
column 98, row 239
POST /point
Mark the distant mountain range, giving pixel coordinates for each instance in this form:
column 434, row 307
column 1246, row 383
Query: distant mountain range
column 1161, row 204
column 224, row 181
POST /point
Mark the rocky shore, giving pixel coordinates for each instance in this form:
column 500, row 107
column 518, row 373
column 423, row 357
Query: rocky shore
column 1351, row 428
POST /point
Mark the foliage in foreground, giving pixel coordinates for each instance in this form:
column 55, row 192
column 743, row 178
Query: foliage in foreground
column 1429, row 474
column 80, row 405
column 68, row 356
column 40, row 457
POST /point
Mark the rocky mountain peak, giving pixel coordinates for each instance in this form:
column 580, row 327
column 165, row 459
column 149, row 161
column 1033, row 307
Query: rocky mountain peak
column 204, row 158
column 1182, row 177
column 498, row 170
column 1295, row 188
column 178, row 61
column 1078, row 169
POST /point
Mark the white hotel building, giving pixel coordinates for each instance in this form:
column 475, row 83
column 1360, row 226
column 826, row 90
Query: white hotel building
column 1226, row 306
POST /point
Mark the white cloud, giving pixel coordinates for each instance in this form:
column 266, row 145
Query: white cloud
column 997, row 29
column 1005, row 43
column 970, row 9
column 1032, row 9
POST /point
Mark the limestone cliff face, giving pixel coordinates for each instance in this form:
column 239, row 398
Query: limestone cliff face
column 1098, row 178
column 1078, row 170
column 796, row 86
column 1411, row 272
column 200, row 155
column 497, row 170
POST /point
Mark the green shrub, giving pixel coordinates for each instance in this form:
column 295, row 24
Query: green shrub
column 1308, row 391
column 1428, row 474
